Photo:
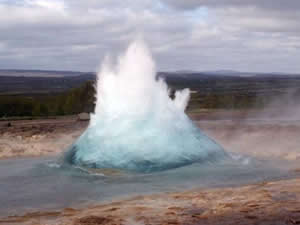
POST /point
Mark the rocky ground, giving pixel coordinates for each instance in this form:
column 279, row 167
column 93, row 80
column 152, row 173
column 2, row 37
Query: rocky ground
column 268, row 203
column 27, row 138
column 264, row 203
column 258, row 138
column 264, row 139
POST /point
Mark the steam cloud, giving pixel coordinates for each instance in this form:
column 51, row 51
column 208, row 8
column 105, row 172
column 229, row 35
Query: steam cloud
column 136, row 125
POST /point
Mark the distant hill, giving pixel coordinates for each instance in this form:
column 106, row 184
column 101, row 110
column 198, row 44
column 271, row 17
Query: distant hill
column 19, row 82
column 232, row 73
column 180, row 73
column 38, row 73
column 51, row 93
column 41, row 82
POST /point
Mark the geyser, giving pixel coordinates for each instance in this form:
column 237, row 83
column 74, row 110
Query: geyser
column 136, row 125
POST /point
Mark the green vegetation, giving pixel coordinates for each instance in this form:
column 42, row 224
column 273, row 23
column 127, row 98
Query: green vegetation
column 231, row 94
column 226, row 101
column 74, row 101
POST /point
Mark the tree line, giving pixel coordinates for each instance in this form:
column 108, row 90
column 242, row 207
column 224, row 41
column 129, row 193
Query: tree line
column 74, row 101
column 82, row 99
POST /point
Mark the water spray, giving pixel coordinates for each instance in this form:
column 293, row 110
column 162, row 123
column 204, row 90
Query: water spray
column 136, row 125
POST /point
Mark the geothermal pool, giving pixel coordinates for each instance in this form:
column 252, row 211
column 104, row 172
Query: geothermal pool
column 139, row 141
column 43, row 184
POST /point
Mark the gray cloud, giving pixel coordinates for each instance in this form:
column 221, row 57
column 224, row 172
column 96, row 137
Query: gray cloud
column 75, row 35
column 265, row 4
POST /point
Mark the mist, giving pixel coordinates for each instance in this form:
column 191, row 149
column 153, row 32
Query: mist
column 137, row 125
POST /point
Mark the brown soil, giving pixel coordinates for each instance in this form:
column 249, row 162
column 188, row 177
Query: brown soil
column 38, row 137
column 266, row 203
column 261, row 139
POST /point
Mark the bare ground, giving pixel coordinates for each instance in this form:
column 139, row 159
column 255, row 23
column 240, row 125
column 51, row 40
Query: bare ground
column 266, row 203
column 263, row 203
column 259, row 138
column 27, row 138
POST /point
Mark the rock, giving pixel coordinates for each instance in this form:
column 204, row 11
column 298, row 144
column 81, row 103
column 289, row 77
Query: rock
column 83, row 117
column 19, row 138
column 92, row 220
column 292, row 156
column 297, row 170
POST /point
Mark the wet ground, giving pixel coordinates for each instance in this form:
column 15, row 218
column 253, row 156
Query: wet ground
column 29, row 185
column 262, row 188
column 266, row 203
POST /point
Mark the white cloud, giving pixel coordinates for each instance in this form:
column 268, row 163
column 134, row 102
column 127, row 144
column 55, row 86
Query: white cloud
column 77, row 34
column 47, row 4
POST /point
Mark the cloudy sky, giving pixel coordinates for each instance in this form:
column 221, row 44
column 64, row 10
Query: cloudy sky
column 245, row 35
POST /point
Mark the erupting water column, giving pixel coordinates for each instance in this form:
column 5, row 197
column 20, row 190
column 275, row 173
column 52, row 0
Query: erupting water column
column 136, row 125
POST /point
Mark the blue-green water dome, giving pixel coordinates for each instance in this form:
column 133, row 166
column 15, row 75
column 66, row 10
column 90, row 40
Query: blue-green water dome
column 136, row 125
